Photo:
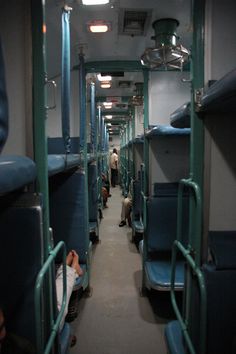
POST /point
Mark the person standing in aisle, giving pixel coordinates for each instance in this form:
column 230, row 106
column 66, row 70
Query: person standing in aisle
column 114, row 167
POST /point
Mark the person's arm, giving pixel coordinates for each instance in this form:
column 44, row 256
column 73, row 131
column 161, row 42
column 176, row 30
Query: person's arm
column 71, row 275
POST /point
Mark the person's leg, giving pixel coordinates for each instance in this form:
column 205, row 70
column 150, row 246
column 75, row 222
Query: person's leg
column 125, row 211
column 112, row 177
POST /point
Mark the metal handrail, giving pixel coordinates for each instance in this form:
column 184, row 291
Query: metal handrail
column 178, row 246
column 202, row 337
column 37, row 300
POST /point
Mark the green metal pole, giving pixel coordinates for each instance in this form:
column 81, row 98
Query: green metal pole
column 197, row 129
column 40, row 113
column 40, row 146
column 83, row 150
column 146, row 123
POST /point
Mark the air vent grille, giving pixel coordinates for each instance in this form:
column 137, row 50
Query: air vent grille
column 134, row 22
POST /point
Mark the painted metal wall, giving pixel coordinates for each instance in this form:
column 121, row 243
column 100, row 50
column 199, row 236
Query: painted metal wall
column 166, row 93
column 15, row 29
column 220, row 167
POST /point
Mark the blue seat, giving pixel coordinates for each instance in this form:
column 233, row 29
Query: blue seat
column 15, row 172
column 174, row 338
column 221, row 95
column 181, row 117
column 20, row 224
column 137, row 209
column 166, row 130
column 67, row 214
column 58, row 161
column 160, row 234
column 220, row 280
column 93, row 198
column 56, row 164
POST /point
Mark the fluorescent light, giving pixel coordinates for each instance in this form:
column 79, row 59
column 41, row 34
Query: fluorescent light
column 98, row 28
column 108, row 117
column 95, row 2
column 107, row 104
column 103, row 78
column 105, row 85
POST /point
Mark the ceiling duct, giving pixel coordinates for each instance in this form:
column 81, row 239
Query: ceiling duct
column 137, row 100
column 166, row 53
column 134, row 22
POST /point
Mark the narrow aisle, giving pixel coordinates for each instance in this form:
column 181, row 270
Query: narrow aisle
column 116, row 320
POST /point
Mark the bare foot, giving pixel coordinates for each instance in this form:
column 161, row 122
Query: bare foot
column 69, row 258
column 75, row 263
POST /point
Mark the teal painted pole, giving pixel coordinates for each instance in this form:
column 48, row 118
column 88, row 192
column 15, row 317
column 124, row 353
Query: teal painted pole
column 93, row 117
column 145, row 124
column 40, row 149
column 197, row 129
column 83, row 148
column 65, row 78
column 40, row 113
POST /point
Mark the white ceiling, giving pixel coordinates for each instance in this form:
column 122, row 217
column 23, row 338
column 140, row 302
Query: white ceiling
column 111, row 45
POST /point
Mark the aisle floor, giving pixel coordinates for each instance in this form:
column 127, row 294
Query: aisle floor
column 115, row 319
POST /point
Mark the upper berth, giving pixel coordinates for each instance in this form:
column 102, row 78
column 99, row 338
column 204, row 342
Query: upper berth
column 180, row 118
column 166, row 130
column 15, row 171
column 221, row 95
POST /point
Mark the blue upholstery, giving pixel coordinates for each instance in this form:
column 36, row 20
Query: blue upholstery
column 163, row 189
column 166, row 130
column 139, row 139
column 72, row 160
column 67, row 211
column 221, row 96
column 161, row 223
column 223, row 249
column 221, row 310
column 160, row 234
column 56, row 145
column 15, row 172
column 21, row 226
column 136, row 203
column 174, row 338
column 56, row 164
column 181, row 117
column 92, row 192
column 3, row 104
column 58, row 161
column 158, row 274
column 64, row 339
column 221, row 305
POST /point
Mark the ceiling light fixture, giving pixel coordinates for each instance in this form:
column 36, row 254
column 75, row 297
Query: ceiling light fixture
column 105, row 85
column 95, row 2
column 107, row 105
column 108, row 117
column 99, row 26
column 166, row 53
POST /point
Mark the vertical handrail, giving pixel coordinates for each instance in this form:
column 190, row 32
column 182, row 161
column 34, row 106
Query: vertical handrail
column 65, row 78
column 38, row 296
column 195, row 266
column 83, row 151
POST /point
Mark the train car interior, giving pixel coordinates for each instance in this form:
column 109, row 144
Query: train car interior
column 117, row 177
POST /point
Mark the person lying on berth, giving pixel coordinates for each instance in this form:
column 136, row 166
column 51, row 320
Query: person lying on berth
column 11, row 343
column 73, row 271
